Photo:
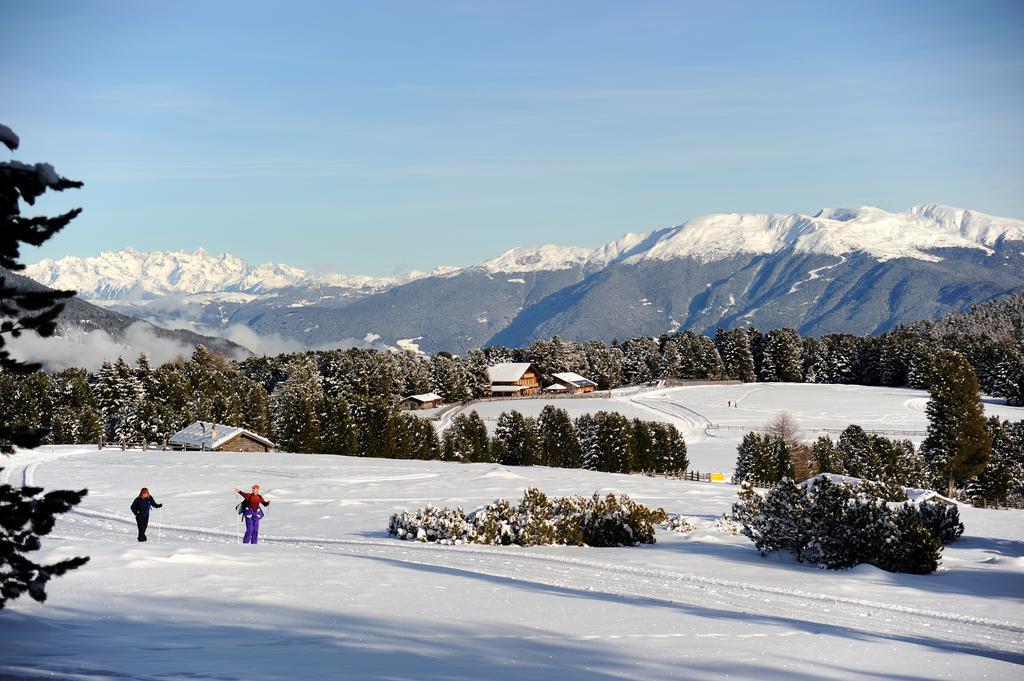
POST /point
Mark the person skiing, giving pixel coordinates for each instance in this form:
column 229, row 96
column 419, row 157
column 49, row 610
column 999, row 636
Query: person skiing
column 140, row 507
column 252, row 513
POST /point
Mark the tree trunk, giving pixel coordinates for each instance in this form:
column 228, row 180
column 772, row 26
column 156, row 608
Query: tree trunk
column 950, row 488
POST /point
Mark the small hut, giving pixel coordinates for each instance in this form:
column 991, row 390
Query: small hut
column 424, row 401
column 572, row 383
column 216, row 437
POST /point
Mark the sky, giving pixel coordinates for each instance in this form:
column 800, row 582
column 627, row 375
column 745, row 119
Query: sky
column 374, row 138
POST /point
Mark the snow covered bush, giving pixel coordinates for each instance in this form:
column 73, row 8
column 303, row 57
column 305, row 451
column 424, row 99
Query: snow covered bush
column 609, row 520
column 433, row 524
column 536, row 520
column 680, row 523
column 941, row 520
column 837, row 525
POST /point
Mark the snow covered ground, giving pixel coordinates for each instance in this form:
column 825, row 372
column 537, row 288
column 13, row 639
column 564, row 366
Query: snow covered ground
column 328, row 595
column 713, row 429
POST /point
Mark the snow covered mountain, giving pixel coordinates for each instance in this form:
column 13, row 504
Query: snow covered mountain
column 133, row 274
column 859, row 270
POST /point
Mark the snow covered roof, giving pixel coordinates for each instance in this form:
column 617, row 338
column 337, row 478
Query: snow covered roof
column 509, row 372
column 204, row 434
column 556, row 387
column 574, row 379
column 425, row 397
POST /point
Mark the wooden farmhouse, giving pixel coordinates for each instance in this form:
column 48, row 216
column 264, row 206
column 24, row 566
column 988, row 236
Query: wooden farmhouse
column 513, row 379
column 424, row 401
column 216, row 437
column 571, row 383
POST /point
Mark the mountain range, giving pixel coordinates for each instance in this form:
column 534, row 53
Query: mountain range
column 862, row 270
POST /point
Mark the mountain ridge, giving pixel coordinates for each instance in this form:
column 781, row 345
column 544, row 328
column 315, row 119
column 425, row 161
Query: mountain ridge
column 861, row 270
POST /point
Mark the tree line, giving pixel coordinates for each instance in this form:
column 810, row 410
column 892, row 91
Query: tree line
column 964, row 454
column 605, row 441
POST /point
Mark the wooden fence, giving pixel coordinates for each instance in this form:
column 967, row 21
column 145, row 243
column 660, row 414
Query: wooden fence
column 762, row 428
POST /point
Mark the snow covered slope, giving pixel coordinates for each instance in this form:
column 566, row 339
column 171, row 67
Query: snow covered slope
column 327, row 595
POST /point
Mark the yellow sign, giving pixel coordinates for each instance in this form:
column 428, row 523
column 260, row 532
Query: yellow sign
column 717, row 477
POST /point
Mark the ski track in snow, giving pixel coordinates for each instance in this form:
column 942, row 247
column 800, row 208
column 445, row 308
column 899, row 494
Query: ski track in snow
column 816, row 611
column 815, row 274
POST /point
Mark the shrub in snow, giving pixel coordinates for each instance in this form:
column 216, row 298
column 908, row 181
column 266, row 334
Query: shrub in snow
column 726, row 525
column 536, row 520
column 941, row 520
column 433, row 524
column 837, row 525
column 680, row 524
column 610, row 520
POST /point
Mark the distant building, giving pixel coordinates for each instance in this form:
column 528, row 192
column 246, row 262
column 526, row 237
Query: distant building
column 513, row 379
column 571, row 382
column 216, row 437
column 424, row 401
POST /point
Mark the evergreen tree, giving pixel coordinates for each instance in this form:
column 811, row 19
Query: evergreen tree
column 1009, row 378
column 604, row 365
column 782, row 356
column 590, row 446
column 994, row 483
column 425, row 444
column 477, row 379
column 645, row 455
column 465, row 439
column 25, row 513
column 639, row 360
column 515, row 440
column 414, row 372
column 614, row 442
column 814, row 361
column 338, row 432
column 559, row 442
column 75, row 416
column 957, row 446
column 670, row 448
column 670, row 362
column 381, row 428
column 296, row 409
column 826, row 456
column 448, row 379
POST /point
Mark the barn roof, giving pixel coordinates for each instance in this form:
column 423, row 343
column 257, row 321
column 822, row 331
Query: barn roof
column 508, row 372
column 425, row 397
column 574, row 379
column 201, row 434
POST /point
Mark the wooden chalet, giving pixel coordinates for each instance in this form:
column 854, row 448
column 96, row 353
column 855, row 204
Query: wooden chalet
column 569, row 382
column 424, row 401
column 514, row 379
column 216, row 437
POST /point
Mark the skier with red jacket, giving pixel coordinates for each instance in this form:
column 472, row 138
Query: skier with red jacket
column 252, row 513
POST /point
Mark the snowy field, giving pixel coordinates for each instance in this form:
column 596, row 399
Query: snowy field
column 328, row 595
column 713, row 429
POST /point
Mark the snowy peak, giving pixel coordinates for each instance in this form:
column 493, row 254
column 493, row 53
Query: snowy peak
column 134, row 274
column 130, row 273
column 835, row 231
column 537, row 259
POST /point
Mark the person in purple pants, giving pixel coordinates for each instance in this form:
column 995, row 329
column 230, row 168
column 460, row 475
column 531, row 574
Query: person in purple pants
column 252, row 513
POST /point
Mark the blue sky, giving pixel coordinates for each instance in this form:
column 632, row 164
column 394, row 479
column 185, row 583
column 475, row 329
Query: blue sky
column 377, row 137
